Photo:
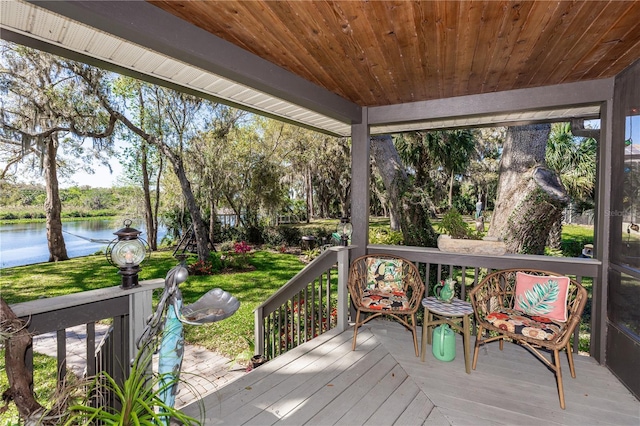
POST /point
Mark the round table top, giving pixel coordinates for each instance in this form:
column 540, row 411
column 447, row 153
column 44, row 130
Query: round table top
column 456, row 308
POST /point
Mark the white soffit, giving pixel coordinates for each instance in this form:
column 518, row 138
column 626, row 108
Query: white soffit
column 519, row 117
column 32, row 21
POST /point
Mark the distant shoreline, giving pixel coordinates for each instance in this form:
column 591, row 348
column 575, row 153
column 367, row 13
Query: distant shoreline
column 64, row 219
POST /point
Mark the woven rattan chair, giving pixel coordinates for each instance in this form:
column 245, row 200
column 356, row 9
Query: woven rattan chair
column 493, row 302
column 381, row 284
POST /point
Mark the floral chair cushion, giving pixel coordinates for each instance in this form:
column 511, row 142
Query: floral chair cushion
column 533, row 326
column 376, row 299
column 542, row 295
column 385, row 275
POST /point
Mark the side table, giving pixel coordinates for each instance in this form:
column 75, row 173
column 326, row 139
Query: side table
column 456, row 314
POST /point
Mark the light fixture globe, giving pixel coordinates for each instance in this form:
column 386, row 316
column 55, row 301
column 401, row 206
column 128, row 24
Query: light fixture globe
column 127, row 252
column 344, row 229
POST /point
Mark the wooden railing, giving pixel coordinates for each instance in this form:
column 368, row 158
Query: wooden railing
column 303, row 308
column 469, row 270
column 311, row 303
column 128, row 311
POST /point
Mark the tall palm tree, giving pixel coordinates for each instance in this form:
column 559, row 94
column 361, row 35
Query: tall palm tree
column 448, row 150
column 574, row 159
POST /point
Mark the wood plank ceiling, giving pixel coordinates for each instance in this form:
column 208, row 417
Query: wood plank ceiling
column 378, row 53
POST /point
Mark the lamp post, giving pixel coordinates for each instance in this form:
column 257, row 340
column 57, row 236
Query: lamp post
column 127, row 253
column 345, row 229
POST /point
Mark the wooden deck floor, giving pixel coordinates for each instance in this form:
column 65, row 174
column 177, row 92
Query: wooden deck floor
column 324, row 382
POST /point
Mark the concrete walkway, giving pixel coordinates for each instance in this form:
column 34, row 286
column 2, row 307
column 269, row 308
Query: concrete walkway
column 203, row 371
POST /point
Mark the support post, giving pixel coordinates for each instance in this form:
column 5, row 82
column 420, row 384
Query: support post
column 343, row 293
column 258, row 330
column 360, row 165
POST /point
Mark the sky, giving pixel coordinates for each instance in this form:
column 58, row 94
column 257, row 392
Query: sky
column 100, row 179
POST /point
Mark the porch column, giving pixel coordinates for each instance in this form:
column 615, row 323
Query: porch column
column 360, row 184
column 602, row 226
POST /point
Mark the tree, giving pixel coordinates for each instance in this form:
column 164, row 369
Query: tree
column 409, row 203
column 454, row 149
column 45, row 109
column 182, row 113
column 530, row 195
column 482, row 173
column 574, row 160
column 142, row 161
column 434, row 158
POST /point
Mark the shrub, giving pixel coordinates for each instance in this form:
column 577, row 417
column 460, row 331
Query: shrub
column 291, row 235
column 254, row 234
column 272, row 236
column 227, row 246
column 385, row 236
column 201, row 268
column 453, row 224
column 232, row 233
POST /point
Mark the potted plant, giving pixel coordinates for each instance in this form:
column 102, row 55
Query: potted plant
column 138, row 398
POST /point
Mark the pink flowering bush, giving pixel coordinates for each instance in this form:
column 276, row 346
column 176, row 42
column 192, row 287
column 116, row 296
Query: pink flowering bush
column 241, row 249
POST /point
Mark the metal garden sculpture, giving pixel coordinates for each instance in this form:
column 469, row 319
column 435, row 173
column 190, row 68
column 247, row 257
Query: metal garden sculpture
column 214, row 306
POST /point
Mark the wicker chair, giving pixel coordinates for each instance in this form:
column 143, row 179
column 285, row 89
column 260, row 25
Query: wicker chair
column 493, row 301
column 382, row 284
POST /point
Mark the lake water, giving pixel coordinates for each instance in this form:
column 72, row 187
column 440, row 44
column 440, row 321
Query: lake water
column 26, row 243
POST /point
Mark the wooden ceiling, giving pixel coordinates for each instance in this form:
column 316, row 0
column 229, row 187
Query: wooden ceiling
column 390, row 52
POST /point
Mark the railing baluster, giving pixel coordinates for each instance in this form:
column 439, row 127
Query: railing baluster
column 61, row 340
column 307, row 336
column 463, row 284
column 320, row 307
column 91, row 348
column 312, row 314
column 328, row 297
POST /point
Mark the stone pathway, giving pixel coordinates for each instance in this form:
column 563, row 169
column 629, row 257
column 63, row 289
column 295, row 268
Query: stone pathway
column 202, row 370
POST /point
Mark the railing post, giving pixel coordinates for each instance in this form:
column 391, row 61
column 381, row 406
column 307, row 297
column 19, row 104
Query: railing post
column 140, row 309
column 258, row 332
column 343, row 294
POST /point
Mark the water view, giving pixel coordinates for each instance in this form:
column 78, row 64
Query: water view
column 26, row 243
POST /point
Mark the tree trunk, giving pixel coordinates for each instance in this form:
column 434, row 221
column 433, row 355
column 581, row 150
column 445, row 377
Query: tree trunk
column 554, row 240
column 451, row 189
column 405, row 204
column 152, row 233
column 213, row 218
column 156, row 206
column 19, row 377
column 530, row 196
column 199, row 227
column 52, row 205
column 309, row 194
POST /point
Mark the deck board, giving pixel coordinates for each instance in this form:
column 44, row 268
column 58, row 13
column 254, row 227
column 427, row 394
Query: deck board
column 382, row 382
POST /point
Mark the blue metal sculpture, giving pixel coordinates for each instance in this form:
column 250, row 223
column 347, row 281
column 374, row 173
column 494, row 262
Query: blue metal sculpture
column 214, row 306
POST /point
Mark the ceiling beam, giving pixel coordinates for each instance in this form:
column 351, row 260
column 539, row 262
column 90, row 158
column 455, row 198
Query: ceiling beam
column 151, row 27
column 539, row 98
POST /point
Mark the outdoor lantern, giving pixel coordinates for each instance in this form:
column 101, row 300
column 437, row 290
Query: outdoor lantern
column 345, row 229
column 127, row 253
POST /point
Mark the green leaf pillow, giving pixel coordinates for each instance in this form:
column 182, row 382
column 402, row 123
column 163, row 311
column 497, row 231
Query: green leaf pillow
column 541, row 295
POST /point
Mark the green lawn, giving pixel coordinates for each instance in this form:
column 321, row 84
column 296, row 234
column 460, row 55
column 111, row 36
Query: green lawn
column 272, row 270
column 228, row 337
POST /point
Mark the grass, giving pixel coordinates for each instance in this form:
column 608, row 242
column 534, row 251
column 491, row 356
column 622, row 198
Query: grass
column 272, row 270
column 228, row 337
